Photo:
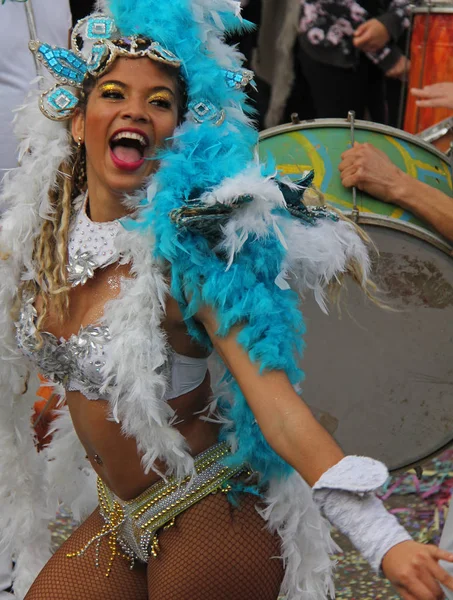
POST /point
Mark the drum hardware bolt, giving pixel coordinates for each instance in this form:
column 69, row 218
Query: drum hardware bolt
column 418, row 472
column 355, row 210
column 295, row 120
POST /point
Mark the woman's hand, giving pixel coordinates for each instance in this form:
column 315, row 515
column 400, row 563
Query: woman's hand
column 415, row 572
column 438, row 94
column 371, row 36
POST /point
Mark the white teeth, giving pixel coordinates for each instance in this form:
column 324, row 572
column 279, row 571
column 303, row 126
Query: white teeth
column 130, row 135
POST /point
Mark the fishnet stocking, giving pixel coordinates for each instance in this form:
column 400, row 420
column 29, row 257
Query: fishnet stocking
column 78, row 578
column 213, row 551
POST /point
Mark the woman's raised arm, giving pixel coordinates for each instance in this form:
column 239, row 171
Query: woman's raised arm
column 290, row 428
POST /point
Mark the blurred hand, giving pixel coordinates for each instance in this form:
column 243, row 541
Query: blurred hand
column 439, row 94
column 371, row 171
column 371, row 36
column 415, row 572
column 399, row 69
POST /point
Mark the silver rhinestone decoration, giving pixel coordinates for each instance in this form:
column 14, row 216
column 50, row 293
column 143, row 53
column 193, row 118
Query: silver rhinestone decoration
column 85, row 237
column 75, row 363
column 81, row 266
column 204, row 111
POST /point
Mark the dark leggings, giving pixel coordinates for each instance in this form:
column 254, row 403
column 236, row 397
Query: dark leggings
column 212, row 551
column 331, row 92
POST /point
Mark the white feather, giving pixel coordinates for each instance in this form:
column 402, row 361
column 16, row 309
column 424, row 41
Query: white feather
column 26, row 505
column 137, row 363
column 306, row 543
column 318, row 254
column 69, row 474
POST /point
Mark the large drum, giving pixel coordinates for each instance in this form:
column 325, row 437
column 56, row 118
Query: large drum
column 431, row 60
column 381, row 380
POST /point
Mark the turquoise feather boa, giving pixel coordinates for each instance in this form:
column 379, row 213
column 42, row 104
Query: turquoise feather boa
column 200, row 157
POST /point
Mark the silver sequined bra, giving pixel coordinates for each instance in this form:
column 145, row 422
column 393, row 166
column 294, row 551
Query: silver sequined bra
column 77, row 363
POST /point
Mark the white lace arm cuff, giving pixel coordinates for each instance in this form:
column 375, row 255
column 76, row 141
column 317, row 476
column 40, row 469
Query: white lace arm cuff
column 345, row 495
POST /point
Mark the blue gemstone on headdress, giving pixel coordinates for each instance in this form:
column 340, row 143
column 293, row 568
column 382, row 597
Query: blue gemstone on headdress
column 238, row 80
column 97, row 54
column 59, row 103
column 204, row 111
column 62, row 99
column 100, row 28
column 62, row 63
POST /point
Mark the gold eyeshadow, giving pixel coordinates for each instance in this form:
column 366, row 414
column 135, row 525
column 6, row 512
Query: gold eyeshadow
column 111, row 87
column 161, row 96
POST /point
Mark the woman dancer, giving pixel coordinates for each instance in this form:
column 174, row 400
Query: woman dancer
column 137, row 245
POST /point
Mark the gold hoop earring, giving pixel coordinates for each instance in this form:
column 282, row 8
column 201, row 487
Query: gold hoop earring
column 79, row 176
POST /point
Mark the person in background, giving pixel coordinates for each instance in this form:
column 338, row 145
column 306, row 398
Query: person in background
column 436, row 95
column 371, row 171
column 346, row 48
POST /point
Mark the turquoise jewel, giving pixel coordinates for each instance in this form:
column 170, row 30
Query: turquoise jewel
column 59, row 103
column 100, row 28
column 238, row 80
column 64, row 64
column 97, row 54
column 204, row 111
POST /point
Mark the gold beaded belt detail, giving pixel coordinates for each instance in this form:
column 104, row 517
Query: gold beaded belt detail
column 133, row 525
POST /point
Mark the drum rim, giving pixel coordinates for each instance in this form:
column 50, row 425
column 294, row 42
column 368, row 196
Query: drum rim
column 404, row 466
column 434, row 8
column 358, row 124
column 435, row 129
column 406, row 227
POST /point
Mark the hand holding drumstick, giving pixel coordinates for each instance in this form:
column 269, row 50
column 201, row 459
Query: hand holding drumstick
column 371, row 171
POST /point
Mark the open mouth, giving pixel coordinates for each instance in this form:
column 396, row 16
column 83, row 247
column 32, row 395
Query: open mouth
column 128, row 148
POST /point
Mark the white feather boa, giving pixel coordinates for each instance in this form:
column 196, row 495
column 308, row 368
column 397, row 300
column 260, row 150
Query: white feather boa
column 26, row 507
column 306, row 543
column 135, row 370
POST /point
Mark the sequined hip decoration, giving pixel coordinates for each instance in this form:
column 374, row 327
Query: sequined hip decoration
column 132, row 527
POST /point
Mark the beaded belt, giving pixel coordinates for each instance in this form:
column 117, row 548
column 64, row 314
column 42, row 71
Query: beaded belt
column 133, row 525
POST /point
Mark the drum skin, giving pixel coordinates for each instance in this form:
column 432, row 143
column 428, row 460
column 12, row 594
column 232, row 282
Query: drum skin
column 431, row 62
column 379, row 379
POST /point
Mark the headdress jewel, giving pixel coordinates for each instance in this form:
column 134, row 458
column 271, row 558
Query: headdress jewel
column 95, row 44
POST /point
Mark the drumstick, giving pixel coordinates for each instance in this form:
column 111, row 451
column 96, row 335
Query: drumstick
column 355, row 211
column 451, row 159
